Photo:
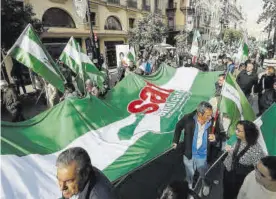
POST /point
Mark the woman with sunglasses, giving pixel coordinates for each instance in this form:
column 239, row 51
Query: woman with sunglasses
column 241, row 159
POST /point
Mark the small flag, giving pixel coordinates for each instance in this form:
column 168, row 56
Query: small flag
column 29, row 50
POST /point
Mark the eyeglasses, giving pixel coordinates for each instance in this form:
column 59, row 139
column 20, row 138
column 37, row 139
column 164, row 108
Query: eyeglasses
column 239, row 131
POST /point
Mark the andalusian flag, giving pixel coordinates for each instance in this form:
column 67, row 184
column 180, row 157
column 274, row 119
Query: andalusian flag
column 29, row 50
column 195, row 44
column 79, row 63
column 134, row 124
column 234, row 105
column 243, row 50
column 131, row 55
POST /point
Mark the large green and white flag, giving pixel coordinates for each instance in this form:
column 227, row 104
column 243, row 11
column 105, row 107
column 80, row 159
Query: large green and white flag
column 29, row 50
column 234, row 105
column 133, row 124
column 80, row 63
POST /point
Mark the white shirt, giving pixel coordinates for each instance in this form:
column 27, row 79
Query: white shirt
column 251, row 189
column 75, row 196
column 200, row 134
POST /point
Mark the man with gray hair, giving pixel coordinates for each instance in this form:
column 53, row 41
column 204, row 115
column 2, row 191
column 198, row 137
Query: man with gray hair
column 78, row 179
column 197, row 139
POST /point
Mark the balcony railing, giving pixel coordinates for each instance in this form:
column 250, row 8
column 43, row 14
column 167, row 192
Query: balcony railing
column 132, row 3
column 113, row 2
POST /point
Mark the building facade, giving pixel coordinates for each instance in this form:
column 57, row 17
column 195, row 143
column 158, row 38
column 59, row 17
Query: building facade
column 194, row 14
column 111, row 20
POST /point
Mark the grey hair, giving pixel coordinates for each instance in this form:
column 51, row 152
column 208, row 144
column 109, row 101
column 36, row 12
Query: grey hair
column 201, row 108
column 82, row 160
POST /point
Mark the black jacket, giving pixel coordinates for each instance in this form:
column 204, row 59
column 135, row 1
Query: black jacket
column 246, row 82
column 203, row 67
column 98, row 187
column 267, row 99
column 187, row 123
column 266, row 82
column 188, row 65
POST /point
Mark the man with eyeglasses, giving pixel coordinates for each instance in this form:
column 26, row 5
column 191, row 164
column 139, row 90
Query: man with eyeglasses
column 260, row 183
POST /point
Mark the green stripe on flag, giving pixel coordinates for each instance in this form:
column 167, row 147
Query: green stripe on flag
column 30, row 43
column 234, row 104
column 28, row 60
column 268, row 129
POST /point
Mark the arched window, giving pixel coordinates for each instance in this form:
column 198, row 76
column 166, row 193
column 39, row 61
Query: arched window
column 112, row 23
column 55, row 17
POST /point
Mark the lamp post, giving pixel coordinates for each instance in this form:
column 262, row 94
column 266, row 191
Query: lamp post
column 94, row 45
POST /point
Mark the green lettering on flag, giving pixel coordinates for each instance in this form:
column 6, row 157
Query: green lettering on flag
column 29, row 50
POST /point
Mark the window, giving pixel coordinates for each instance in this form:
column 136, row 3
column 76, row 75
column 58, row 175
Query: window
column 146, row 5
column 55, row 17
column 92, row 18
column 131, row 22
column 112, row 23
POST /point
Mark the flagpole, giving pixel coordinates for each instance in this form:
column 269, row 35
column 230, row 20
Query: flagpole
column 92, row 37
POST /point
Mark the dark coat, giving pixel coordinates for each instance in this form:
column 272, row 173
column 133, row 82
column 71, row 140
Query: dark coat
column 187, row 123
column 267, row 99
column 188, row 65
column 266, row 82
column 246, row 82
column 203, row 67
column 98, row 187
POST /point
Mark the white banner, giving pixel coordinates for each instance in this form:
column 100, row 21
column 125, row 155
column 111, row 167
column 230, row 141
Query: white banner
column 121, row 54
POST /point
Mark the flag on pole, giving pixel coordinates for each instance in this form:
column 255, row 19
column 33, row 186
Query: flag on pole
column 234, row 105
column 79, row 63
column 131, row 55
column 29, row 50
column 195, row 44
column 243, row 50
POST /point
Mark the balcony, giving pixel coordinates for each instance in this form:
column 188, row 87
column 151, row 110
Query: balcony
column 146, row 7
column 132, row 4
column 172, row 6
column 117, row 2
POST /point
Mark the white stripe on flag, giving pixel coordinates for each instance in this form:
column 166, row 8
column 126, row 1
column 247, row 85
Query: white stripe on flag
column 231, row 93
column 35, row 50
column 261, row 141
column 36, row 174
column 73, row 53
column 85, row 59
